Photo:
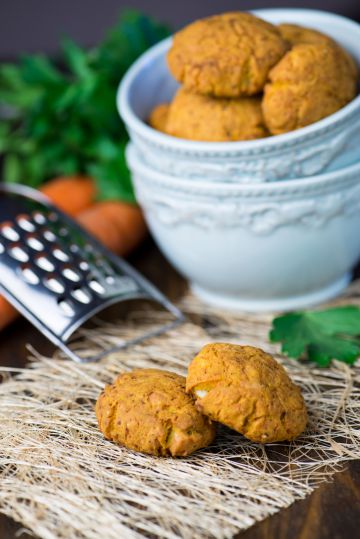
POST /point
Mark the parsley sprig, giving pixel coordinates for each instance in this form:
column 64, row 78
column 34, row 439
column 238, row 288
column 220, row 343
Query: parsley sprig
column 63, row 120
column 320, row 335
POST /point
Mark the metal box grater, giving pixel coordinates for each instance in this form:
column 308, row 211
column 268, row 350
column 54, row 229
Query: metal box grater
column 59, row 276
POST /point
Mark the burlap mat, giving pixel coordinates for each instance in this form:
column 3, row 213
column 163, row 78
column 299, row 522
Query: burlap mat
column 61, row 479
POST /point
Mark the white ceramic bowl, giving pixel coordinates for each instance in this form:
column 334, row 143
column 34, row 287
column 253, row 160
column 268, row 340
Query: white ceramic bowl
column 327, row 145
column 275, row 246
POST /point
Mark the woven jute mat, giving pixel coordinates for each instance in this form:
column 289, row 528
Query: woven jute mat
column 61, row 479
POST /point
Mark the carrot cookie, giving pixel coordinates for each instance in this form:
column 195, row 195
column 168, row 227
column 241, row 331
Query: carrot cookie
column 300, row 35
column 148, row 410
column 227, row 55
column 311, row 82
column 247, row 390
column 158, row 117
column 198, row 117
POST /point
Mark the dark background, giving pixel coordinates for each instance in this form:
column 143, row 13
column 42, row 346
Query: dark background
column 37, row 25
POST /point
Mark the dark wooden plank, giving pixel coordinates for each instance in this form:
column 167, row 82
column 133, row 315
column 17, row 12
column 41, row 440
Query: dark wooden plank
column 332, row 511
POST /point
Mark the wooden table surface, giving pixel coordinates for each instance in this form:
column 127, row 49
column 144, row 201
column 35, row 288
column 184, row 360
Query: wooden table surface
column 331, row 512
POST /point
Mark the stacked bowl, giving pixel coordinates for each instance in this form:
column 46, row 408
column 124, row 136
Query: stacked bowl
column 267, row 224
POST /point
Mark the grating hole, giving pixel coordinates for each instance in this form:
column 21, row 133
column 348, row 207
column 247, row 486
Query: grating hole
column 82, row 295
column 24, row 222
column 110, row 279
column 67, row 307
column 71, row 274
column 2, row 248
column 17, row 252
column 96, row 287
column 49, row 236
column 60, row 254
column 34, row 243
column 44, row 263
column 52, row 216
column 63, row 231
column 84, row 266
column 8, row 231
column 29, row 275
column 39, row 218
column 54, row 284
column 74, row 248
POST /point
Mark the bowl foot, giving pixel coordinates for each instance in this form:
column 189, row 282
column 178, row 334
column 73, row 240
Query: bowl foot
column 235, row 303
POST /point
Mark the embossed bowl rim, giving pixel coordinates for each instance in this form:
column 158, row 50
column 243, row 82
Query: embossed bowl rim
column 311, row 185
column 250, row 146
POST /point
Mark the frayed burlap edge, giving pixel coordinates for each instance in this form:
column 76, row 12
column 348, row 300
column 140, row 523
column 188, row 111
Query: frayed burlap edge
column 61, row 479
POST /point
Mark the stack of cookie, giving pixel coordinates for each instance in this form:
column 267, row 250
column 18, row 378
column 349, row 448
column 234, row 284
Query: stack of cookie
column 243, row 78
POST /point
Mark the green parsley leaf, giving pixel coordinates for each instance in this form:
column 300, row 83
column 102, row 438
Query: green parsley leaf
column 320, row 335
column 58, row 121
column 12, row 168
column 76, row 59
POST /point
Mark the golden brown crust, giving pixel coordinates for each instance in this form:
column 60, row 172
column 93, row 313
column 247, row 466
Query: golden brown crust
column 158, row 117
column 147, row 410
column 311, row 82
column 300, row 35
column 297, row 35
column 197, row 117
column 226, row 55
column 247, row 390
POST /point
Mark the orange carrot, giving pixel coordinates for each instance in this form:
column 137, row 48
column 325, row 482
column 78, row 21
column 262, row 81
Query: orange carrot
column 71, row 194
column 7, row 313
column 117, row 225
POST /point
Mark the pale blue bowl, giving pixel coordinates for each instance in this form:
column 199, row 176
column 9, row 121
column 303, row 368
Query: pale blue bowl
column 328, row 145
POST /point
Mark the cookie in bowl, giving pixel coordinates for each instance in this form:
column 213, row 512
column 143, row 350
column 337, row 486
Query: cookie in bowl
column 302, row 153
column 311, row 82
column 158, row 117
column 226, row 55
column 198, row 117
column 300, row 35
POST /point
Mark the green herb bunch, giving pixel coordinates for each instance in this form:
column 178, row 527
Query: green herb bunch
column 63, row 120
